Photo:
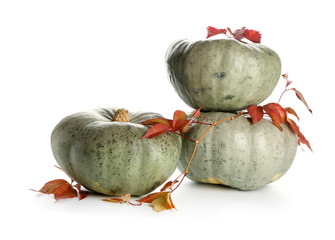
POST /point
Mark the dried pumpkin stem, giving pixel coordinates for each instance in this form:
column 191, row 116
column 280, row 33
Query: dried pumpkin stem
column 121, row 115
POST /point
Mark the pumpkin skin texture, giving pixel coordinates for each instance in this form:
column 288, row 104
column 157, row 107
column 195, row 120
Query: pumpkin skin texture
column 109, row 157
column 222, row 74
column 237, row 154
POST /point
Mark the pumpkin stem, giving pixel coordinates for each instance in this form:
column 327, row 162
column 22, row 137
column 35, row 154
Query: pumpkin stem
column 121, row 115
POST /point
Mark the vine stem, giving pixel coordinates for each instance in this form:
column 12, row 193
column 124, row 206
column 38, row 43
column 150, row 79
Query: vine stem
column 185, row 172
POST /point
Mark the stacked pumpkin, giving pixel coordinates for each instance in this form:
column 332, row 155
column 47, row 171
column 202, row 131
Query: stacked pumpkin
column 224, row 76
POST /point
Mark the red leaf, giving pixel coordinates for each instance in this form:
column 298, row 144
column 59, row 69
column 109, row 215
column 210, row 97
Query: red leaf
column 179, row 120
column 291, row 111
column 82, row 194
column 159, row 201
column 65, row 191
column 301, row 137
column 252, row 35
column 156, row 130
column 256, row 113
column 196, row 113
column 158, row 120
column 285, row 76
column 301, row 98
column 281, row 110
column 212, row 31
column 238, row 34
column 51, row 186
column 274, row 114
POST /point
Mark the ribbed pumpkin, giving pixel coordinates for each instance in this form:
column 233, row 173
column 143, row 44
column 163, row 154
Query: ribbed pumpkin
column 237, row 154
column 107, row 156
column 222, row 74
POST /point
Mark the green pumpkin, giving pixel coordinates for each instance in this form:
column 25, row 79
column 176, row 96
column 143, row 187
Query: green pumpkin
column 222, row 74
column 104, row 153
column 237, row 154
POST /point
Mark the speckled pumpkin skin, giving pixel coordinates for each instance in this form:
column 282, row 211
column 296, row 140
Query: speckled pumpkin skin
column 237, row 154
column 222, row 74
column 109, row 157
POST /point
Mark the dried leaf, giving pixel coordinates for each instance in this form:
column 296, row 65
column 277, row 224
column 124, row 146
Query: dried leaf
column 301, row 98
column 212, row 31
column 125, row 198
column 65, row 191
column 156, row 130
column 291, row 111
column 274, row 114
column 256, row 113
column 285, row 76
column 238, row 34
column 301, row 137
column 252, row 35
column 51, row 186
column 168, row 185
column 162, row 202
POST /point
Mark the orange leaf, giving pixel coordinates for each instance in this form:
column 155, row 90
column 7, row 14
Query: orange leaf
column 65, row 191
column 256, row 113
column 291, row 111
column 156, row 130
column 149, row 198
column 301, row 98
column 281, row 110
column 179, row 120
column 125, row 198
column 168, row 185
column 158, row 120
column 196, row 113
column 51, row 186
column 274, row 114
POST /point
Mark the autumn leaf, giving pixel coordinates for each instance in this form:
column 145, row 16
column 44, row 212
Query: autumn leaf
column 60, row 188
column 179, row 120
column 252, row 35
column 125, row 198
column 159, row 201
column 301, row 98
column 291, row 111
column 285, row 76
column 212, row 31
column 82, row 194
column 274, row 114
column 256, row 113
column 238, row 34
column 301, row 137
column 156, row 130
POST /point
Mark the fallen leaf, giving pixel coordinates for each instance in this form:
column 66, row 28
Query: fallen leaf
column 162, row 202
column 59, row 188
column 82, row 193
column 125, row 198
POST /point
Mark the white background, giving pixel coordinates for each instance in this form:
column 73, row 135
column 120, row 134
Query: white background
column 61, row 57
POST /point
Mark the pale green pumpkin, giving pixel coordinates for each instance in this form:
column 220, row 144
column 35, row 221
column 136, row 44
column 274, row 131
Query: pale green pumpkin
column 107, row 156
column 222, row 74
column 237, row 154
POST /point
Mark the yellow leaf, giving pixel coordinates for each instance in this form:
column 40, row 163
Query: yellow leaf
column 163, row 202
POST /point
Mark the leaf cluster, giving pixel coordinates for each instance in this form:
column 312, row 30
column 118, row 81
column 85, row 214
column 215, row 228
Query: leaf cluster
column 252, row 35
